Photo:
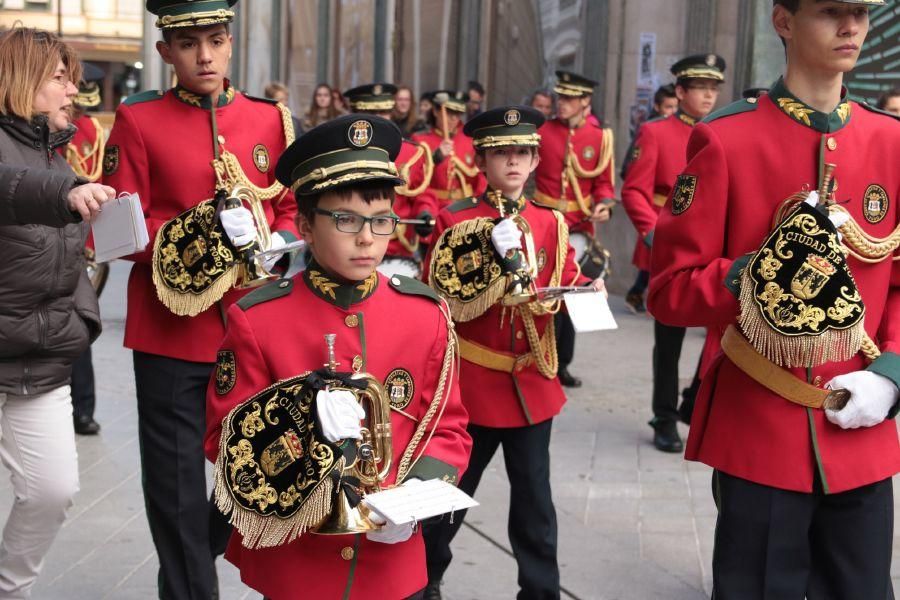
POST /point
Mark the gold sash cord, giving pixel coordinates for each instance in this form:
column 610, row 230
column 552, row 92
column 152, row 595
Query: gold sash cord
column 542, row 349
column 449, row 370
column 79, row 162
column 864, row 247
column 400, row 235
column 422, row 151
column 229, row 172
column 573, row 170
column 460, row 172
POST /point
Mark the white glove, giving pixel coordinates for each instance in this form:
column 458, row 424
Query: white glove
column 837, row 218
column 391, row 533
column 270, row 260
column 506, row 236
column 339, row 415
column 871, row 397
column 239, row 225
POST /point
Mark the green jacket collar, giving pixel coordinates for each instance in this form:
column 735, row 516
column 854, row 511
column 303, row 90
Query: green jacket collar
column 686, row 118
column 341, row 294
column 189, row 97
column 510, row 207
column 806, row 115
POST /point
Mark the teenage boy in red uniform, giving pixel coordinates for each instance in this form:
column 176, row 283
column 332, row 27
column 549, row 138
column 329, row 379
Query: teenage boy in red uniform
column 804, row 493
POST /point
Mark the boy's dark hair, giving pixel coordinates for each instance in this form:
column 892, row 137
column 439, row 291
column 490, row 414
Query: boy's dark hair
column 883, row 99
column 369, row 190
column 475, row 86
column 791, row 5
column 169, row 34
column 663, row 92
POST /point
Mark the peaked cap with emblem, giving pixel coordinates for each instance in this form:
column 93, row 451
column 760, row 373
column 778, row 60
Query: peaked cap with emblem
column 505, row 126
column 345, row 151
column 574, row 85
column 88, row 88
column 453, row 100
column 373, row 97
column 172, row 14
column 700, row 66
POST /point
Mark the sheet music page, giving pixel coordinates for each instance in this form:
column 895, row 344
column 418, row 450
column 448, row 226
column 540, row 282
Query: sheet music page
column 409, row 503
column 590, row 312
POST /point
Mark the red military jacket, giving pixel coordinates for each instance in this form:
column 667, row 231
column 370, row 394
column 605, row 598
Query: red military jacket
column 414, row 163
column 277, row 333
column 742, row 163
column 444, row 188
column 658, row 157
column 520, row 396
column 160, row 147
column 589, row 145
column 85, row 152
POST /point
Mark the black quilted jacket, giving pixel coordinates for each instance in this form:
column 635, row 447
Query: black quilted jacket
column 48, row 309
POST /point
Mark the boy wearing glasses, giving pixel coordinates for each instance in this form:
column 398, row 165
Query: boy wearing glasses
column 794, row 416
column 506, row 338
column 396, row 329
column 658, row 156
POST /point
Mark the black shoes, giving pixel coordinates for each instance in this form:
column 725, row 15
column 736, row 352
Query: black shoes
column 86, row 426
column 665, row 436
column 635, row 303
column 432, row 591
column 567, row 379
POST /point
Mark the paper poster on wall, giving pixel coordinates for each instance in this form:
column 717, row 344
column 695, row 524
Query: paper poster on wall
column 647, row 59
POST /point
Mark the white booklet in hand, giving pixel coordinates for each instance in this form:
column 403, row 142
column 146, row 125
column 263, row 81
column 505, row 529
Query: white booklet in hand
column 120, row 229
column 422, row 500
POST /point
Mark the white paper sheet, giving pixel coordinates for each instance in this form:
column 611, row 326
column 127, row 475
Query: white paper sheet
column 410, row 503
column 590, row 312
column 120, row 229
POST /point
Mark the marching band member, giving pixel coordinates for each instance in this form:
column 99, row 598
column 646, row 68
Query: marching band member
column 658, row 156
column 455, row 174
column 780, row 233
column 576, row 176
column 489, row 276
column 413, row 200
column 175, row 291
column 343, row 176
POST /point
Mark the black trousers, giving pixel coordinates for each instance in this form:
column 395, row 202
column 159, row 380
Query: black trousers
column 532, row 517
column 773, row 544
column 565, row 339
column 640, row 282
column 666, row 353
column 187, row 529
column 83, row 397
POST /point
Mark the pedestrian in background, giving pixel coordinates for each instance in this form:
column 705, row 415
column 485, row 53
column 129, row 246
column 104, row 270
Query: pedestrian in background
column 279, row 92
column 49, row 309
column 404, row 114
column 542, row 100
column 890, row 102
column 321, row 107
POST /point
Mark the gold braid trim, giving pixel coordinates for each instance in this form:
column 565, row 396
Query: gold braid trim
column 423, row 151
column 573, row 170
column 606, row 159
column 449, row 368
column 229, row 172
column 864, row 247
column 869, row 348
column 543, row 350
column 460, row 171
column 79, row 162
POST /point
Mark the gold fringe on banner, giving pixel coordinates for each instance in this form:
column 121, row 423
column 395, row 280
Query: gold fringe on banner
column 795, row 351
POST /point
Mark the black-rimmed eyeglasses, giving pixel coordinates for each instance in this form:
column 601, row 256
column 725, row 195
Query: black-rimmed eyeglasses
column 354, row 223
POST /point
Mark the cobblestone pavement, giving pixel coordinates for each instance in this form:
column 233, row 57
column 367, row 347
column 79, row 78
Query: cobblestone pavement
column 634, row 524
